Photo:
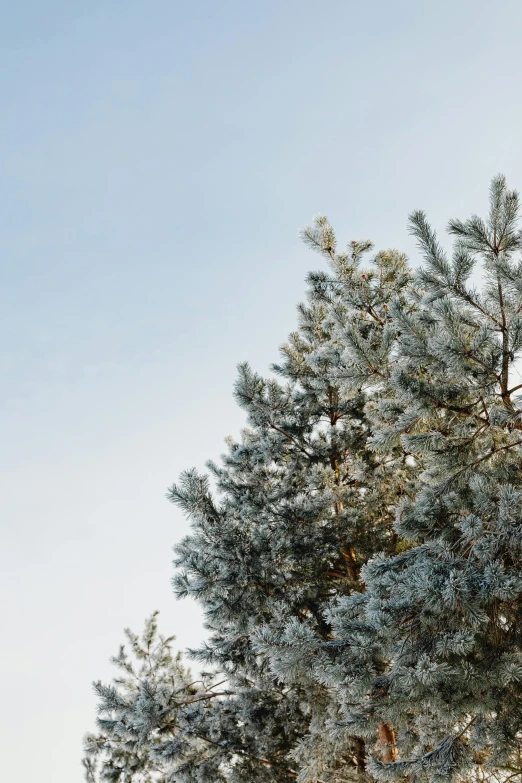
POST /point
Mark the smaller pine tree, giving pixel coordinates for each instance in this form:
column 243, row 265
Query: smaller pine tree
column 159, row 724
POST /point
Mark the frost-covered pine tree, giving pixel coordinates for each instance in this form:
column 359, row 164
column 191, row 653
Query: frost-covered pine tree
column 159, row 724
column 450, row 608
column 302, row 504
column 434, row 643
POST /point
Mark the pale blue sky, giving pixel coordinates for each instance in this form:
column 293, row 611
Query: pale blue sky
column 157, row 160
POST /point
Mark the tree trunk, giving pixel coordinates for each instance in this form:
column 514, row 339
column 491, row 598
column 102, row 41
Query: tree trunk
column 360, row 755
column 387, row 740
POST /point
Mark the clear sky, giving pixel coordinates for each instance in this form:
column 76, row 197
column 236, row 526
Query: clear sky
column 157, row 161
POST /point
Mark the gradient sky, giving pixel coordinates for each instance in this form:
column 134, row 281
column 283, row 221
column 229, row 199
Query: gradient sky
column 157, row 161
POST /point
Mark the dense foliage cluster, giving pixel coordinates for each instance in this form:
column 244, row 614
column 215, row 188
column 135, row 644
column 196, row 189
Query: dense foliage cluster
column 359, row 561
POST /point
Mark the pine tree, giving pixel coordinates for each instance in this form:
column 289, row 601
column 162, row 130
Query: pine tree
column 302, row 504
column 444, row 616
column 159, row 724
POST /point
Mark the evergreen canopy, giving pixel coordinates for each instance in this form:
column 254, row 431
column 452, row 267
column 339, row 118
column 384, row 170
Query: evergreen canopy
column 359, row 563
